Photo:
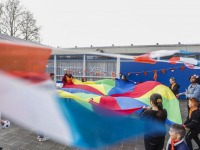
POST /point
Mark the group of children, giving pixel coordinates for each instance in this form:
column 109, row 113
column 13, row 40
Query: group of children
column 176, row 132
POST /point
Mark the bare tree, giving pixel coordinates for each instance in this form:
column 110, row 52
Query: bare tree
column 11, row 18
column 16, row 21
column 29, row 30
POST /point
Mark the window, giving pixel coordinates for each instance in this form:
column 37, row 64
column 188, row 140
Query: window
column 50, row 67
column 99, row 57
column 105, row 69
column 69, row 57
column 76, row 67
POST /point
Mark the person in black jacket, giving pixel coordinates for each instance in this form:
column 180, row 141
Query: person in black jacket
column 176, row 141
column 155, row 140
column 174, row 86
column 193, row 123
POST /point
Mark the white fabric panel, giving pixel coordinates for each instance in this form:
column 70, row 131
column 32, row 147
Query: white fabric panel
column 163, row 53
column 189, row 60
column 34, row 106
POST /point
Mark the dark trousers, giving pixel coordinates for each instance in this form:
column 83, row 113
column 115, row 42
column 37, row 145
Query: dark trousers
column 192, row 135
column 154, row 143
column 41, row 135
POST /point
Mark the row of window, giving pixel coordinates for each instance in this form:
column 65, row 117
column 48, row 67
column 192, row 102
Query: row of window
column 90, row 57
column 79, row 57
column 93, row 69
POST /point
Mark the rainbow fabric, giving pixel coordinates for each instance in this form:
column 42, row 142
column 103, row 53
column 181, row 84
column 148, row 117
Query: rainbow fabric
column 88, row 115
column 123, row 97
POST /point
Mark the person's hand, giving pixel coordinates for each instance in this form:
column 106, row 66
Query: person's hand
column 147, row 108
column 185, row 93
column 177, row 95
column 2, row 121
column 183, row 125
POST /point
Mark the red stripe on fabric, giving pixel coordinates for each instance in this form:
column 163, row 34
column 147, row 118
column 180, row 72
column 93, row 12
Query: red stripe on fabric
column 84, row 87
column 116, row 111
column 23, row 57
column 109, row 102
column 139, row 90
column 128, row 111
column 34, row 77
column 173, row 60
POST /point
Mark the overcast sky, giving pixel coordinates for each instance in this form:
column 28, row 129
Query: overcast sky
column 69, row 23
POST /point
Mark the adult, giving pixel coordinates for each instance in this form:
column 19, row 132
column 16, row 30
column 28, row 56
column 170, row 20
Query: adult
column 174, row 86
column 67, row 78
column 193, row 90
column 155, row 140
column 51, row 75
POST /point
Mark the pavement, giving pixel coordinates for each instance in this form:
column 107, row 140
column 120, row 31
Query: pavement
column 18, row 138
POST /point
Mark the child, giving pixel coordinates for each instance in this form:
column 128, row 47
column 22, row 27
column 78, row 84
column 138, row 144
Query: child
column 155, row 141
column 84, row 79
column 174, row 86
column 176, row 134
column 193, row 122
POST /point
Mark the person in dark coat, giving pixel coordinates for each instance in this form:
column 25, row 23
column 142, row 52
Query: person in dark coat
column 174, row 86
column 176, row 140
column 193, row 123
column 155, row 140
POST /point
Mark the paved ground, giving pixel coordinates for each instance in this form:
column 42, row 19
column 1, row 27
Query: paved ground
column 18, row 138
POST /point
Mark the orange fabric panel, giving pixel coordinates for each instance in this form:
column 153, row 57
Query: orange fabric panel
column 23, row 57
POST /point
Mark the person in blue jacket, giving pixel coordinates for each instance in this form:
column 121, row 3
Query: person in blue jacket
column 176, row 140
column 193, row 90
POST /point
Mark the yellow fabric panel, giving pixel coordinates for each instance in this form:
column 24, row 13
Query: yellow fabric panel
column 162, row 90
column 76, row 81
column 64, row 94
column 99, row 87
column 90, row 82
column 97, row 99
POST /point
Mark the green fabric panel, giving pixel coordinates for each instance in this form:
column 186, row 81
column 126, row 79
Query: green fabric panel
column 85, row 96
column 107, row 88
column 172, row 107
column 106, row 81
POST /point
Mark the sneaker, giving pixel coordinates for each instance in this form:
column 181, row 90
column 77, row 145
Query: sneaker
column 44, row 139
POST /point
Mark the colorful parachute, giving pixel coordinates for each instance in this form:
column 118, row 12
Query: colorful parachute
column 123, row 97
column 87, row 113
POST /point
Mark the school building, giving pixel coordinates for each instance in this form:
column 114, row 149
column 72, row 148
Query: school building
column 96, row 67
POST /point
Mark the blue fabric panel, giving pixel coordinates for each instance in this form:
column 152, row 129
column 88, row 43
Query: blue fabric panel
column 121, row 87
column 73, row 90
column 129, row 103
